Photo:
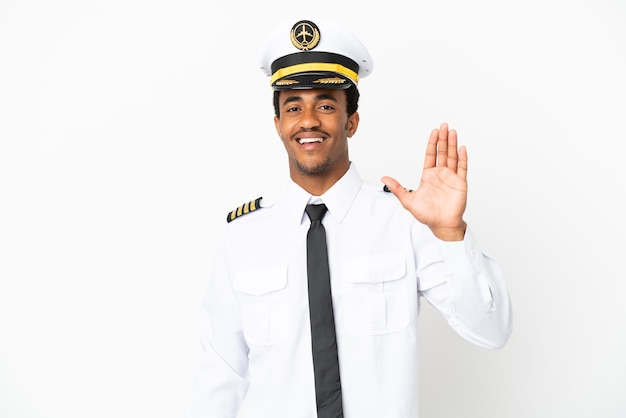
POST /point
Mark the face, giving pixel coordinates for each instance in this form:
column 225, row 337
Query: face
column 314, row 127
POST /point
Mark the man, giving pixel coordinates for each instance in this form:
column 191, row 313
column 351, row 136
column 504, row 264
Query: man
column 300, row 331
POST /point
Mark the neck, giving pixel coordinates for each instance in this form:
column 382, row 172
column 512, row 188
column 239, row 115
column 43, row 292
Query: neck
column 317, row 185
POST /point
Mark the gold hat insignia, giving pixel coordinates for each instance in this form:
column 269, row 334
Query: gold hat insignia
column 305, row 35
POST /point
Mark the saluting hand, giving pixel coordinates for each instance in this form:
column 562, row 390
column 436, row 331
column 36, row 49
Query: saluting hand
column 441, row 198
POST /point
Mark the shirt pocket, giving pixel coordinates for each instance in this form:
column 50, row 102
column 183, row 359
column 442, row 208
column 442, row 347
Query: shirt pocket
column 376, row 294
column 262, row 294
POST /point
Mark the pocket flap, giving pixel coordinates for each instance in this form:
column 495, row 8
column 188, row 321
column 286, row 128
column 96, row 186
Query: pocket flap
column 261, row 280
column 375, row 268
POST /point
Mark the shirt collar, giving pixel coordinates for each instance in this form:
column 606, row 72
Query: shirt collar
column 338, row 198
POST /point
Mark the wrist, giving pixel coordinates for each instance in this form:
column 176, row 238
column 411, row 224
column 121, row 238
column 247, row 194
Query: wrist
column 451, row 233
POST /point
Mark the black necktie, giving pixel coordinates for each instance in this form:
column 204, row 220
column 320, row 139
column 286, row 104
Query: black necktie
column 323, row 339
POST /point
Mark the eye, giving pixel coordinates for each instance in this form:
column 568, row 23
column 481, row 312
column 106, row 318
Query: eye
column 326, row 107
column 291, row 109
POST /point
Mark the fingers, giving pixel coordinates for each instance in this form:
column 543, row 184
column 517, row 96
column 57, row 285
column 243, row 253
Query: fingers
column 453, row 156
column 462, row 170
column 442, row 149
column 442, row 146
column 431, row 150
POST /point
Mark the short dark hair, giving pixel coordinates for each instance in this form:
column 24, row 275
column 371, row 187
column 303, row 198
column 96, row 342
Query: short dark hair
column 352, row 97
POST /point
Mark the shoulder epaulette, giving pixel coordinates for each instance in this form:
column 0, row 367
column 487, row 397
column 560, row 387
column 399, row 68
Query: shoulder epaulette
column 251, row 206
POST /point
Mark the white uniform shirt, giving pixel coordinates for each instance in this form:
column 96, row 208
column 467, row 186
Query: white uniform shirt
column 256, row 334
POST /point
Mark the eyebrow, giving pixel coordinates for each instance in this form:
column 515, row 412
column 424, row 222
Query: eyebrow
column 321, row 96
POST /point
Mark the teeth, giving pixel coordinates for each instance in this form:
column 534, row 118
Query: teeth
column 309, row 140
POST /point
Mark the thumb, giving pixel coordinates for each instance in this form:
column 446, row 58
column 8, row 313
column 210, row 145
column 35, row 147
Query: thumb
column 394, row 187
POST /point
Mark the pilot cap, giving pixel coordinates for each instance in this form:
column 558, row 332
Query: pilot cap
column 314, row 54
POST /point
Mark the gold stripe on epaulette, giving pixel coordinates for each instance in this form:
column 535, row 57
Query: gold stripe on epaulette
column 251, row 206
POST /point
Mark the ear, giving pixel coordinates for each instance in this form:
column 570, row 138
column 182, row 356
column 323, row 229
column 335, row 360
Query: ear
column 277, row 125
column 353, row 124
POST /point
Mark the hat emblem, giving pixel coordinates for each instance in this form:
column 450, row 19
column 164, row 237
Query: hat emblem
column 305, row 35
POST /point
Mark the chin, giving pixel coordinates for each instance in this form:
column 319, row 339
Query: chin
column 313, row 170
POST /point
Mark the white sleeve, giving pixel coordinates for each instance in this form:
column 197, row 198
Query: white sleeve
column 221, row 379
column 468, row 288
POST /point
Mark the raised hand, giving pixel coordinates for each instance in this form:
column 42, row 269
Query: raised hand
column 441, row 198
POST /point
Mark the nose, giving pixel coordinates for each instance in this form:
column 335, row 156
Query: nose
column 309, row 118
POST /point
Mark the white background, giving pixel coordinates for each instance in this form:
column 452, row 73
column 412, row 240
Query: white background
column 128, row 129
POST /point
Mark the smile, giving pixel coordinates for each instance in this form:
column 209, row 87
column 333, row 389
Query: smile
column 310, row 140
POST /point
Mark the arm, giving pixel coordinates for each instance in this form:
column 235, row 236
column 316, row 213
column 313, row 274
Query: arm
column 221, row 380
column 467, row 287
column 464, row 284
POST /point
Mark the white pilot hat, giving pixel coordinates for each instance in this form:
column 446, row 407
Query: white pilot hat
column 308, row 54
